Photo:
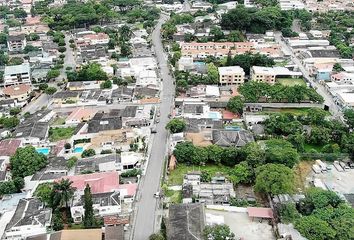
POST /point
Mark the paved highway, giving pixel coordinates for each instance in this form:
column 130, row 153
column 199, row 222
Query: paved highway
column 328, row 99
column 147, row 205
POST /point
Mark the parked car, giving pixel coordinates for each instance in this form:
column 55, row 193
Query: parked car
column 157, row 195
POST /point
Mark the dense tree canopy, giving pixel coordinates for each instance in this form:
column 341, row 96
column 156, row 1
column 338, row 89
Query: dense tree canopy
column 258, row 91
column 26, row 161
column 281, row 151
column 256, row 20
column 176, row 125
column 235, row 104
column 274, row 179
column 247, row 60
column 218, row 232
column 89, row 72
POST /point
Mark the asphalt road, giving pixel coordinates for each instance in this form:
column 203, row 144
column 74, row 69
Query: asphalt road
column 147, row 205
column 328, row 99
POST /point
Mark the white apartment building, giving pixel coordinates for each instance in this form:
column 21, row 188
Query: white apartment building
column 18, row 74
column 233, row 75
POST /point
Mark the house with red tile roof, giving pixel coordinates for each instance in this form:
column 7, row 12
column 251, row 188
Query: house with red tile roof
column 107, row 194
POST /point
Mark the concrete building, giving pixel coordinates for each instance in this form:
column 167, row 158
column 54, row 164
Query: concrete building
column 146, row 78
column 287, row 5
column 269, row 74
column 20, row 93
column 263, row 74
column 16, row 43
column 18, row 74
column 231, row 75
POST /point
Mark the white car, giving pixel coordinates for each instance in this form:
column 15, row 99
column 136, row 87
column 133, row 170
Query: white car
column 157, row 195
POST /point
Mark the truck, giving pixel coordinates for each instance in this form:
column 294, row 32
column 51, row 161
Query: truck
column 322, row 165
column 316, row 169
column 337, row 166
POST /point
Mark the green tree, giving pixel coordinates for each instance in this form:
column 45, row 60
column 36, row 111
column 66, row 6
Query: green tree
column 298, row 141
column 313, row 228
column 349, row 117
column 50, row 90
column 106, row 84
column 15, row 61
column 7, row 187
column 274, row 179
column 236, row 104
column 52, row 73
column 316, row 116
column 58, row 223
column 235, row 36
column 89, row 218
column 176, row 125
column 91, row 72
column 43, row 192
column 19, row 13
column 282, row 152
column 242, row 173
column 254, row 154
column 9, row 122
column 218, row 232
column 26, row 161
column 319, row 135
column 3, row 38
column 288, row 213
column 14, row 111
column 62, row 193
column 213, row 73
column 30, row 48
column 337, row 67
column 320, row 198
column 88, row 153
column 156, row 236
column 4, row 58
column 184, row 152
column 43, row 86
column 71, row 162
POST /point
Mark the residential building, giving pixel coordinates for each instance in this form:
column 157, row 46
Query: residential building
column 263, row 74
column 103, row 121
column 107, row 194
column 287, row 5
column 186, row 221
column 75, row 234
column 79, row 115
column 16, row 43
column 18, row 74
column 20, row 93
column 146, row 78
column 233, row 75
column 343, row 77
column 92, row 39
column 269, row 74
column 232, row 138
column 29, row 219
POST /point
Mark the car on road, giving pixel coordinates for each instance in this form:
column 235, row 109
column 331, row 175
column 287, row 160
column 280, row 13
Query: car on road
column 157, row 120
column 157, row 195
column 153, row 130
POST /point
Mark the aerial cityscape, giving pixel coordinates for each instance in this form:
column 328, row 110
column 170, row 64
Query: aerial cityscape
column 177, row 119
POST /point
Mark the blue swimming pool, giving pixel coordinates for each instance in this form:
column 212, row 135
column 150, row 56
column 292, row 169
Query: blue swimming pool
column 214, row 115
column 45, row 151
column 78, row 150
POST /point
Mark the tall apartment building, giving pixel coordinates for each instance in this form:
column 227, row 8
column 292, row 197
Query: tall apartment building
column 18, row 74
column 233, row 75
column 263, row 74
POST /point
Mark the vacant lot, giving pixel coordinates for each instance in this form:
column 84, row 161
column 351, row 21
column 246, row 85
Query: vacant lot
column 56, row 134
column 291, row 81
column 176, row 176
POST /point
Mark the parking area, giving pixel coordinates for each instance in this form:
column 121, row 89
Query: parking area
column 243, row 227
column 341, row 182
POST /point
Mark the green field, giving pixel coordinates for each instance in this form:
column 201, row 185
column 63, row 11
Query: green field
column 176, row 176
column 291, row 81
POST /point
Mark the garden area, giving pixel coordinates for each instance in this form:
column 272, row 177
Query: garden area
column 56, row 134
column 291, row 81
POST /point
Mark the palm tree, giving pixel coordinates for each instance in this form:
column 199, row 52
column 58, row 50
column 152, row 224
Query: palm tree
column 62, row 193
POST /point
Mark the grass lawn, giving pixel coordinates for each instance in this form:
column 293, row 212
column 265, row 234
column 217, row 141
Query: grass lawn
column 174, row 196
column 294, row 111
column 308, row 147
column 176, row 176
column 291, row 81
column 56, row 134
column 301, row 171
